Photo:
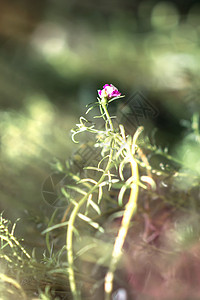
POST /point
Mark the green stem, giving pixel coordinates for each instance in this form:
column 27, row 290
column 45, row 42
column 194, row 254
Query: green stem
column 69, row 238
column 130, row 209
column 104, row 106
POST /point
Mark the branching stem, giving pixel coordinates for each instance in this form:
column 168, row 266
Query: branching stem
column 130, row 209
column 69, row 238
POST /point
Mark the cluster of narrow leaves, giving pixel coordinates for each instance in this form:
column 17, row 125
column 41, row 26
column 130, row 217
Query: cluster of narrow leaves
column 23, row 276
column 11, row 250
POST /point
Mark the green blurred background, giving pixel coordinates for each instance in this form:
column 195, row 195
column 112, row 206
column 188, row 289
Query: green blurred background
column 55, row 54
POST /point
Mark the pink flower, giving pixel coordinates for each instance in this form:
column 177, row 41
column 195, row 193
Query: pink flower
column 109, row 91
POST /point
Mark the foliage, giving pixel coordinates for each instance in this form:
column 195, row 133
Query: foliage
column 112, row 173
column 129, row 177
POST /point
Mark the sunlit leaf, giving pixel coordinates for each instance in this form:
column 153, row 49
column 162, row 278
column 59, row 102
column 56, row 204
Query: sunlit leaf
column 90, row 222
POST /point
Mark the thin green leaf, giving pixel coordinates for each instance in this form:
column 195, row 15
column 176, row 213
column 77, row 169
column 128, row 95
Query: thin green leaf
column 88, row 180
column 85, row 249
column 55, row 227
column 121, row 194
column 94, row 168
column 90, row 222
column 102, row 160
column 115, row 98
column 150, row 181
column 101, row 116
column 122, row 130
column 47, row 234
column 94, row 205
column 73, row 139
column 121, row 168
column 92, row 103
column 107, row 182
column 68, row 197
column 100, row 195
column 77, row 189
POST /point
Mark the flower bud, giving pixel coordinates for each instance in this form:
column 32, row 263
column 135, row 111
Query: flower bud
column 109, row 91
